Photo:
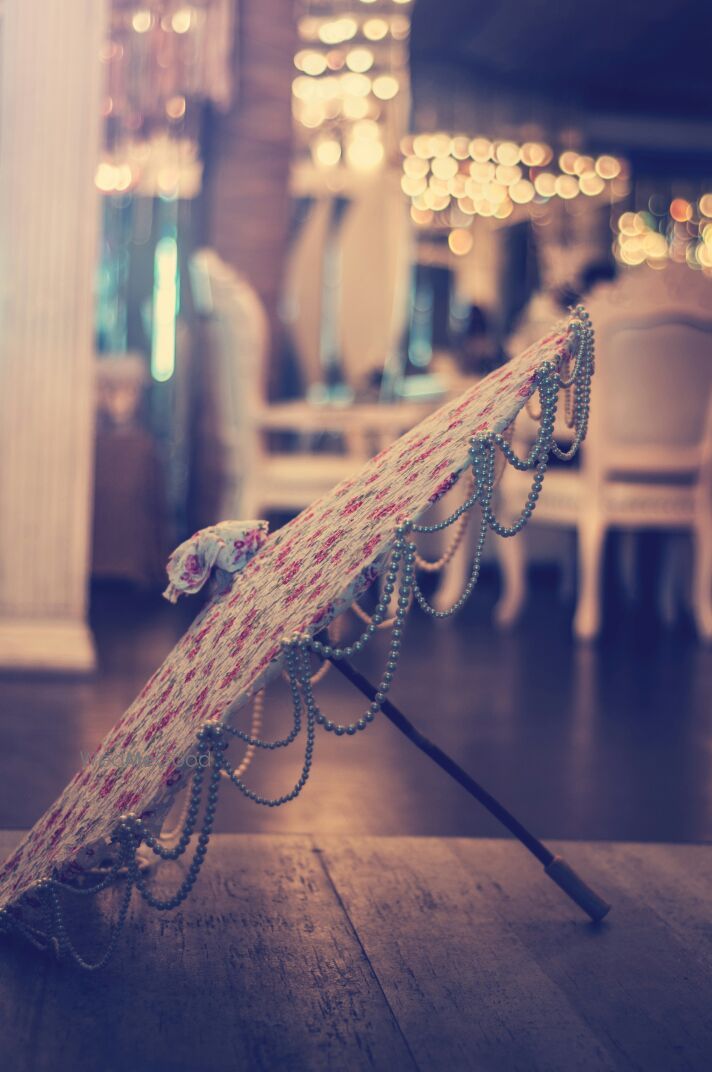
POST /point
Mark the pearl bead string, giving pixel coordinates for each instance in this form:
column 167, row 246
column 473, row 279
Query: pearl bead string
column 131, row 831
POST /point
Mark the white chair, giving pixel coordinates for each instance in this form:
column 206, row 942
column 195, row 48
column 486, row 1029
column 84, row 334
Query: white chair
column 258, row 480
column 647, row 462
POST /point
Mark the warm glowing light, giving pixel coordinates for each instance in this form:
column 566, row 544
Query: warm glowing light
column 680, row 210
column 591, row 184
column 655, row 245
column 365, row 154
column 480, row 149
column 534, row 154
column 308, row 28
column 175, row 107
column 312, row 115
column 421, row 216
column 167, row 181
column 438, row 202
column 355, row 107
column 483, row 172
column 304, row 88
column 335, row 31
column 438, row 186
column 385, row 87
column 628, row 223
column 359, row 60
column 608, row 167
column 704, row 256
column 521, row 192
column 460, row 147
column 400, row 27
column 367, row 128
column 566, row 186
column 706, row 205
column 105, row 178
column 457, row 185
column 180, row 20
column 508, row 173
column 459, row 241
column 141, row 21
column 313, row 63
column 444, row 167
column 507, row 152
column 498, row 179
column 495, row 193
column 356, row 85
column 583, row 164
column 165, row 308
column 467, row 205
column 439, row 144
column 123, row 177
column 327, row 152
column 421, row 146
column 335, row 59
column 415, row 167
column 567, row 162
column 545, row 184
column 413, row 186
column 375, row 29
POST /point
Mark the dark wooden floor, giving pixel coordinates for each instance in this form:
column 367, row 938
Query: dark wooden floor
column 612, row 741
column 348, row 953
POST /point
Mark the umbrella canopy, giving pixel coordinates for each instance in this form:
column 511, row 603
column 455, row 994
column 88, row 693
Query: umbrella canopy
column 299, row 579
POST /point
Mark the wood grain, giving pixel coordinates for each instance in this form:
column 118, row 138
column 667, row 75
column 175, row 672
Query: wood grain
column 644, row 993
column 465, row 989
column 260, row 970
column 341, row 953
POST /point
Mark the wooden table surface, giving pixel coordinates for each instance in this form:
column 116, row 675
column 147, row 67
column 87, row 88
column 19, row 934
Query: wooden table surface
column 297, row 952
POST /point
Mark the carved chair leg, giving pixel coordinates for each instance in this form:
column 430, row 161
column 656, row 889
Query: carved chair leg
column 587, row 619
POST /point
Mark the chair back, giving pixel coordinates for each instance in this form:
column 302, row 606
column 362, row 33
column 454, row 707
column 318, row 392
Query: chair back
column 652, row 391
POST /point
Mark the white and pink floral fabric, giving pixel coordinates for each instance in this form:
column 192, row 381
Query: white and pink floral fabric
column 221, row 550
column 300, row 578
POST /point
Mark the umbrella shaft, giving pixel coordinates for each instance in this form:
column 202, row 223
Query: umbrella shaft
column 443, row 760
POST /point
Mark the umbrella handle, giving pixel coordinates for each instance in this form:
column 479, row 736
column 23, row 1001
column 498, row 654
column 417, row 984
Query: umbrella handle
column 554, row 866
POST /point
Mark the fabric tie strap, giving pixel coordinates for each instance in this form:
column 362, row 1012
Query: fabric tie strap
column 226, row 548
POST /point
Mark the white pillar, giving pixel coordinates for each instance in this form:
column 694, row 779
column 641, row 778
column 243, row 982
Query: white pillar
column 50, row 85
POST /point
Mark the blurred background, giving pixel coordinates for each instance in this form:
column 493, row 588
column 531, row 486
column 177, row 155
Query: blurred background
column 247, row 244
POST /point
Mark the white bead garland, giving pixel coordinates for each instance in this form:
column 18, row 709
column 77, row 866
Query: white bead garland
column 131, row 831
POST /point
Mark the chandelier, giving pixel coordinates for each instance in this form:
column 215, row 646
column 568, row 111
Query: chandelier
column 350, row 93
column 451, row 178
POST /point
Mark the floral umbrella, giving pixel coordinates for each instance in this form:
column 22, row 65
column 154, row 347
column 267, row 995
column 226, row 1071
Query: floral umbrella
column 285, row 590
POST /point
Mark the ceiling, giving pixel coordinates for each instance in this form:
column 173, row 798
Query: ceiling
column 645, row 58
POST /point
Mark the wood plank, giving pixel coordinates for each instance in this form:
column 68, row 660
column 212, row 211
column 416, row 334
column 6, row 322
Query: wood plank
column 464, row 956
column 674, row 880
column 646, row 995
column 467, row 992
column 260, row 969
